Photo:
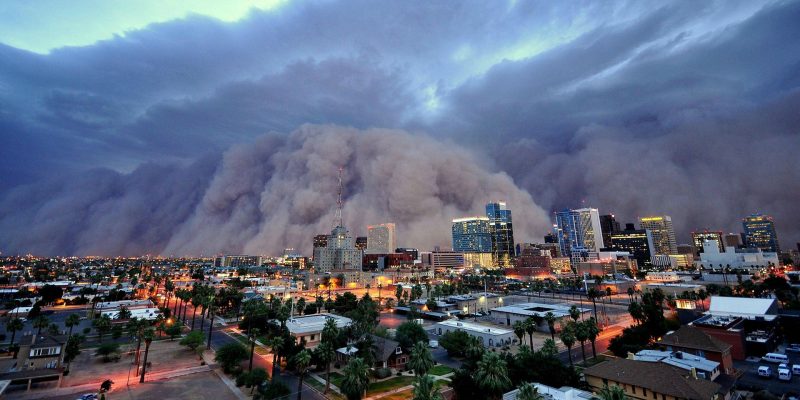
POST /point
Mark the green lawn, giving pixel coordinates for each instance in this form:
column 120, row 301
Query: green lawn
column 321, row 388
column 389, row 384
column 440, row 370
column 336, row 378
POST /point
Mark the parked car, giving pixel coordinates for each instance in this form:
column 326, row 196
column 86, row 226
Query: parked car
column 784, row 374
column 793, row 347
column 796, row 369
column 88, row 396
column 764, row 371
column 435, row 344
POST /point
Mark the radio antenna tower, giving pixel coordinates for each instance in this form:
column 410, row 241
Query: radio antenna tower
column 338, row 218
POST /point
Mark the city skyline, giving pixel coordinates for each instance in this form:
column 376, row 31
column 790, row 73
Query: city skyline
column 203, row 128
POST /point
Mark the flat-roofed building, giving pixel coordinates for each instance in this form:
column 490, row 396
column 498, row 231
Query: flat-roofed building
column 703, row 367
column 489, row 336
column 507, row 315
column 309, row 327
column 551, row 393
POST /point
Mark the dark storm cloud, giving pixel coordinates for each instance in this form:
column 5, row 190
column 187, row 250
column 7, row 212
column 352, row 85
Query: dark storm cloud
column 261, row 197
column 687, row 109
column 703, row 131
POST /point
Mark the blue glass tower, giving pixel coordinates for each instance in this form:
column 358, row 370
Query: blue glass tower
column 502, row 233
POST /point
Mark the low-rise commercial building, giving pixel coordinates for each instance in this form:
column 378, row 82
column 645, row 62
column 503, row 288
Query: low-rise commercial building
column 488, row 336
column 308, row 328
column 690, row 340
column 507, row 315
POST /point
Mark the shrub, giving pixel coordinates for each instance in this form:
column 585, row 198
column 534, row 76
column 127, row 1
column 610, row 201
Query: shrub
column 380, row 373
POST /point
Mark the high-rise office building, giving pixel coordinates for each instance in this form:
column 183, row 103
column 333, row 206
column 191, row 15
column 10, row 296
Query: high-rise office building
column 638, row 242
column 339, row 253
column 732, row 240
column 381, row 238
column 608, row 224
column 578, row 232
column 759, row 233
column 502, row 233
column 699, row 238
column 472, row 234
column 663, row 233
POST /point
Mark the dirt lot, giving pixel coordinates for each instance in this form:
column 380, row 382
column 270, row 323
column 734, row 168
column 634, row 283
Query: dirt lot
column 199, row 386
column 163, row 356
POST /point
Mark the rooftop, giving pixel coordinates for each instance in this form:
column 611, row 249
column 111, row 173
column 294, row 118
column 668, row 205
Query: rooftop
column 658, row 377
column 477, row 328
column 677, row 359
column 743, row 307
column 693, row 338
column 540, row 309
column 315, row 323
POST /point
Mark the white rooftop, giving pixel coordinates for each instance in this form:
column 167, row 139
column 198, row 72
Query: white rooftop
column 551, row 393
column 473, row 327
column 677, row 359
column 741, row 306
column 315, row 323
column 540, row 309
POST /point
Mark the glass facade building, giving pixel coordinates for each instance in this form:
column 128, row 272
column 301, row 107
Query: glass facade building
column 759, row 233
column 663, row 233
column 472, row 235
column 502, row 233
column 578, row 232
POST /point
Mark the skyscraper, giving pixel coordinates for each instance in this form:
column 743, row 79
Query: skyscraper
column 698, row 238
column 663, row 233
column 759, row 233
column 638, row 242
column 381, row 238
column 472, row 234
column 339, row 252
column 502, row 233
column 578, row 232
column 608, row 224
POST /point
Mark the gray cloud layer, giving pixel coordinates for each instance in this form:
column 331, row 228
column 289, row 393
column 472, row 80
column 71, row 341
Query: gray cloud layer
column 689, row 109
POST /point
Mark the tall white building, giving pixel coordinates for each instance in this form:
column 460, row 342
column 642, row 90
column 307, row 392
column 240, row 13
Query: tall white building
column 381, row 238
column 339, row 253
column 579, row 232
column 663, row 233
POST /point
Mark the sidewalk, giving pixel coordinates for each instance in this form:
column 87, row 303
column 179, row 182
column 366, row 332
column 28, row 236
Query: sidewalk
column 208, row 357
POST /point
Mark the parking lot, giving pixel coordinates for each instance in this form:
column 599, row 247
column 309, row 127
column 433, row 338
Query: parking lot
column 750, row 376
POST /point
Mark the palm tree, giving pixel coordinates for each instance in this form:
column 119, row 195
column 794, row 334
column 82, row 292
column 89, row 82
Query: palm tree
column 631, row 291
column 13, row 326
column 329, row 334
column 529, row 392
column 593, row 331
column 253, row 333
column 148, row 338
column 71, row 321
column 196, row 301
column 169, row 287
column 568, row 338
column 551, row 324
column 593, row 294
column 301, row 362
column 574, row 313
column 582, row 335
column 40, row 322
column 356, row 379
column 530, row 327
column 135, row 327
column 425, row 389
column 276, row 344
column 612, row 393
column 519, row 330
column 421, row 360
column 491, row 375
